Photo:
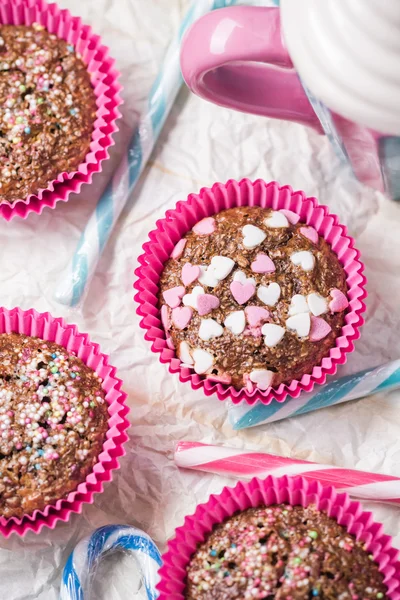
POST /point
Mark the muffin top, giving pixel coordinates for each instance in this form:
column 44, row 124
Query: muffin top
column 53, row 420
column 47, row 110
column 283, row 553
column 253, row 297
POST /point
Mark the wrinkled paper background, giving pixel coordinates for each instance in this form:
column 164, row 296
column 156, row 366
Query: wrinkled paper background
column 200, row 144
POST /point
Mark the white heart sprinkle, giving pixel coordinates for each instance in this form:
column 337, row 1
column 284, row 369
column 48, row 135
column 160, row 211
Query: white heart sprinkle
column 191, row 299
column 222, row 266
column 273, row 334
column 252, row 236
column 300, row 324
column 203, row 360
column 236, row 322
column 276, row 219
column 209, row 329
column 241, row 277
column 262, row 377
column 184, row 353
column 298, row 305
column 219, row 268
column 207, row 276
column 317, row 303
column 269, row 294
column 303, row 259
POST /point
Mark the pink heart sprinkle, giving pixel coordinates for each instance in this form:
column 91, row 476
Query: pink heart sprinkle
column 254, row 331
column 241, row 292
column 170, row 343
column 225, row 378
column 262, row 264
column 339, row 301
column 291, row 216
column 178, row 250
column 255, row 315
column 173, row 296
column 319, row 329
column 206, row 303
column 181, row 316
column 165, row 320
column 310, row 233
column 205, row 227
column 248, row 383
column 190, row 273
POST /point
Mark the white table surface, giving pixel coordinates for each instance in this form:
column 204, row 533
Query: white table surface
column 200, row 144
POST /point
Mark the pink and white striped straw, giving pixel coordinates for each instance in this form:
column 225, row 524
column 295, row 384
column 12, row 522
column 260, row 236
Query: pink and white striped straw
column 242, row 464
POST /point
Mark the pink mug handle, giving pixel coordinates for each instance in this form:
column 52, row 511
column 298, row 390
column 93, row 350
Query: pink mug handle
column 235, row 57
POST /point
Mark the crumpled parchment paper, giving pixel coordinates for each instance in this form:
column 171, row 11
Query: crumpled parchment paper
column 200, row 144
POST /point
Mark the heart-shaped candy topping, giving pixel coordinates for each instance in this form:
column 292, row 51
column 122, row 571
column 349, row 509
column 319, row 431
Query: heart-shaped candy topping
column 165, row 320
column 256, row 315
column 203, row 360
column 269, row 294
column 181, row 316
column 191, row 299
column 219, row 269
column 206, row 303
column 291, row 216
column 300, row 324
column 242, row 293
column 339, row 301
column 303, row 259
column 317, row 304
column 272, row 334
column 173, row 296
column 190, row 273
column 241, row 276
column 236, row 322
column 178, row 250
column 184, row 353
column 262, row 264
column 252, row 236
column 319, row 329
column 310, row 233
column 262, row 378
column 298, row 305
column 205, row 226
column 276, row 219
column 209, row 329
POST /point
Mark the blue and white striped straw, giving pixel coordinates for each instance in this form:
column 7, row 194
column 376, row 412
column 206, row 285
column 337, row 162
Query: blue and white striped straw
column 79, row 570
column 359, row 385
column 101, row 223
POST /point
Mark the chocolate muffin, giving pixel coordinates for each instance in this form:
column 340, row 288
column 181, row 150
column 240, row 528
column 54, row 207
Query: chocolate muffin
column 252, row 297
column 283, row 553
column 53, row 422
column 47, row 110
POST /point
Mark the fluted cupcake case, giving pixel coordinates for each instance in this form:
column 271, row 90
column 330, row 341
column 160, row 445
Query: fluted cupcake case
column 286, row 490
column 104, row 79
column 44, row 326
column 210, row 201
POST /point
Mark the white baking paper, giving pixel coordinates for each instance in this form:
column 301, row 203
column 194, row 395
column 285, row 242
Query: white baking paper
column 200, row 144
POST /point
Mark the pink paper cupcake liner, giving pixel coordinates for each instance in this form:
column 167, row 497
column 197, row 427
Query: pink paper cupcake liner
column 44, row 326
column 247, row 193
column 285, row 490
column 106, row 87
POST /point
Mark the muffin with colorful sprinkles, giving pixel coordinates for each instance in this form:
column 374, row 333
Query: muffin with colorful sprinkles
column 252, row 297
column 47, row 110
column 283, row 553
column 53, row 422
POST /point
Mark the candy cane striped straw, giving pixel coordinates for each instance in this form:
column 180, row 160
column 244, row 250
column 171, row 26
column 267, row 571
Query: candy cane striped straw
column 359, row 385
column 242, row 464
column 102, row 221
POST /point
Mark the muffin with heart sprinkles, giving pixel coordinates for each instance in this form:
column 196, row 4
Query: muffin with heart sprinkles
column 252, row 297
column 283, row 552
column 53, row 423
